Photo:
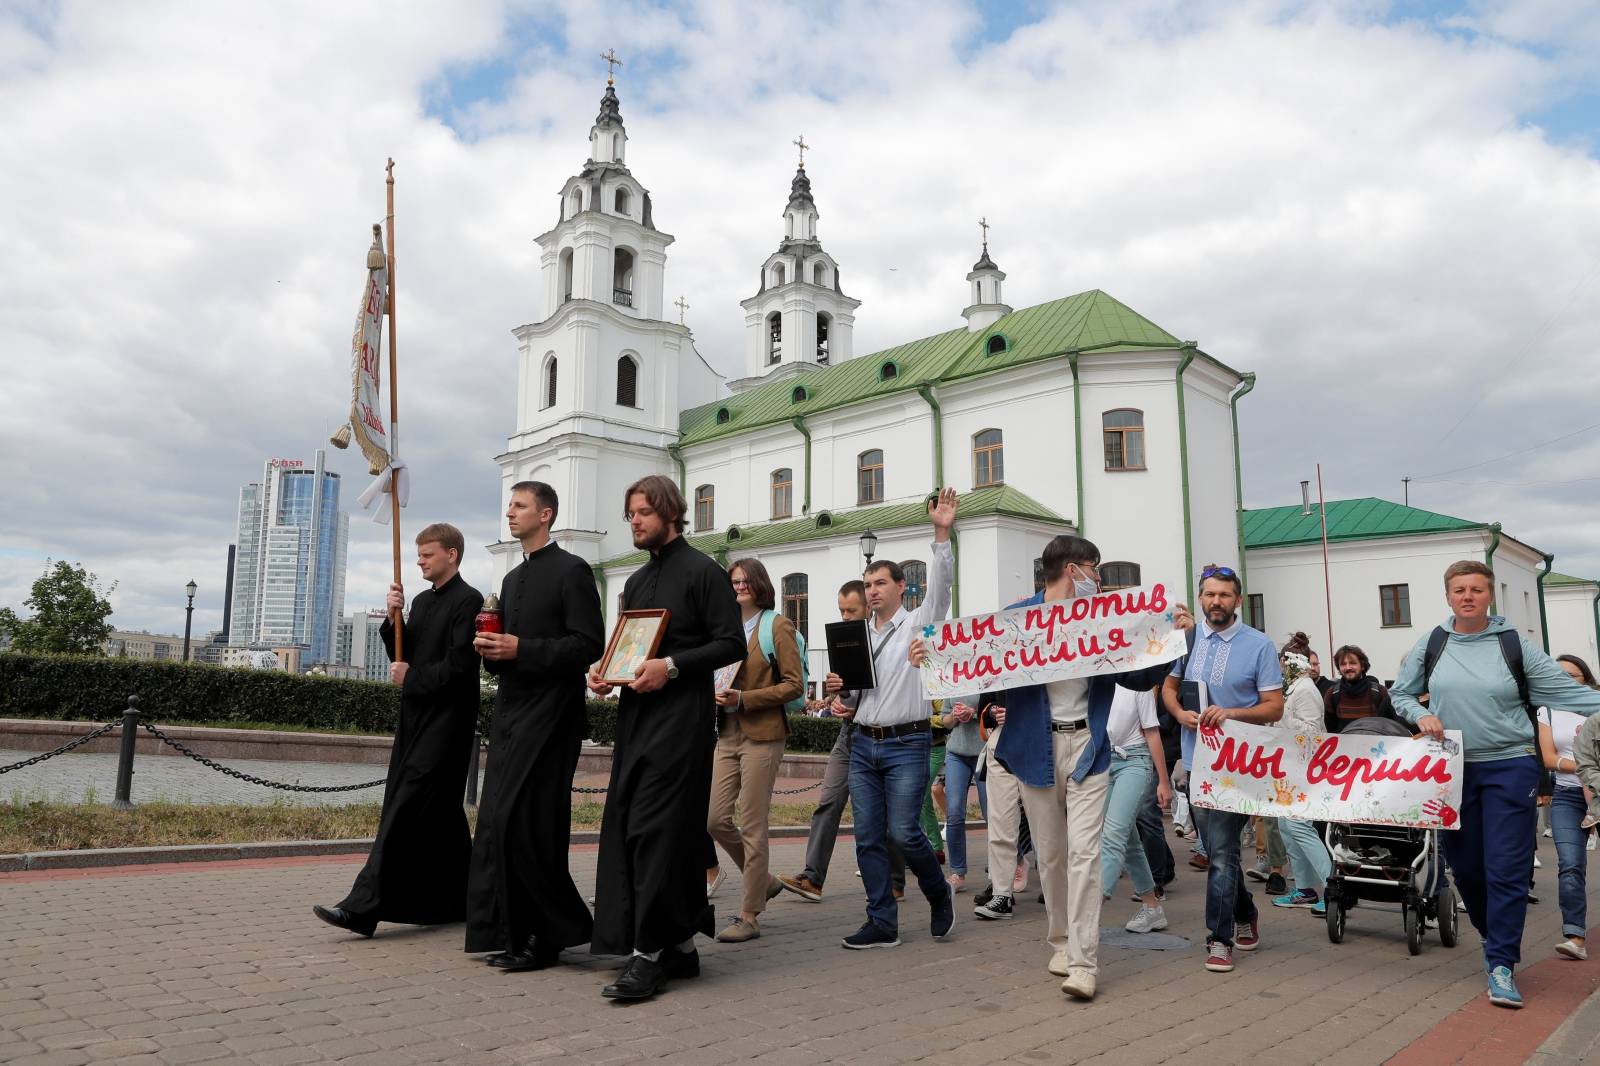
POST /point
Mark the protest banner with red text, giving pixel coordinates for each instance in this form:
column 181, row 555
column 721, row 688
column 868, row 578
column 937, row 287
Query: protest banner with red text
column 1328, row 777
column 1107, row 633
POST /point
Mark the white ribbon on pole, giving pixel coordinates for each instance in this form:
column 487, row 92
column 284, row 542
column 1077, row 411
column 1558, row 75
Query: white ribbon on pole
column 395, row 474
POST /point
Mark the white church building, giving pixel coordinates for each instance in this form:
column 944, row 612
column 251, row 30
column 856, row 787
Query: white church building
column 819, row 453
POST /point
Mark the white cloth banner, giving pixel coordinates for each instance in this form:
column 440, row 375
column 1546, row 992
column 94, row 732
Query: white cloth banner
column 1107, row 633
column 1343, row 777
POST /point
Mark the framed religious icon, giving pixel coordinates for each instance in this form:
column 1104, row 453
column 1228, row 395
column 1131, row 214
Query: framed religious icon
column 636, row 638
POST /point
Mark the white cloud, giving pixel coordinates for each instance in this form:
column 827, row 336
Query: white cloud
column 1357, row 209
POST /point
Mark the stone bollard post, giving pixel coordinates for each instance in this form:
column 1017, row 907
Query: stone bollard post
column 130, row 733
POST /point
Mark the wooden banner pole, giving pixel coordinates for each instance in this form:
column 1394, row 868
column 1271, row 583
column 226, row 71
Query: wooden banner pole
column 394, row 417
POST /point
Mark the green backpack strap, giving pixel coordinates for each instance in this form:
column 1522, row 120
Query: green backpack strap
column 764, row 635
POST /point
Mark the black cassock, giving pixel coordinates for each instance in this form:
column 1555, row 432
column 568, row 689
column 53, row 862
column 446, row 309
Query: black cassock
column 650, row 887
column 417, row 871
column 520, row 885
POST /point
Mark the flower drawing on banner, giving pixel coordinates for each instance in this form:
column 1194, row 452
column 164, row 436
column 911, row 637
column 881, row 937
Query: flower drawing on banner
column 1379, row 750
column 927, row 632
column 1205, row 787
column 1228, row 783
column 1301, row 798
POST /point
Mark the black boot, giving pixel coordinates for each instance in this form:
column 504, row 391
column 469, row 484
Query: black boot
column 360, row 924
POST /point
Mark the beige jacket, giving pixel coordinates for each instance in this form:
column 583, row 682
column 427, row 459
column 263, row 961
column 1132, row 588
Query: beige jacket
column 762, row 691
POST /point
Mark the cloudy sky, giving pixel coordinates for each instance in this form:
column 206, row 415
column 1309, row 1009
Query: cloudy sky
column 1390, row 211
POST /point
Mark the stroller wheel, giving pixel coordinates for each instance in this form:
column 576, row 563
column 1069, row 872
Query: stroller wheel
column 1414, row 929
column 1335, row 918
column 1449, row 919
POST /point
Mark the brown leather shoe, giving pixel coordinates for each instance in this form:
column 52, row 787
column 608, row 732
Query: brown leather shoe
column 803, row 887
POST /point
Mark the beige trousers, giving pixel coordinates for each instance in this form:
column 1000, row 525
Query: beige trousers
column 1005, row 820
column 742, row 773
column 1066, row 820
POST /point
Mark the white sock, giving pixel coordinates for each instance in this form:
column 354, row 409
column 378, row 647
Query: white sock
column 653, row 956
column 687, row 946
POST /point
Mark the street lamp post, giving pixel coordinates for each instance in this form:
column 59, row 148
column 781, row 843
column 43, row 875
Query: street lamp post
column 869, row 545
column 188, row 617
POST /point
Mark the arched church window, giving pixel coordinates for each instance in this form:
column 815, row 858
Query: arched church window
column 916, row 572
column 799, row 395
column 888, row 371
column 577, row 201
column 549, row 382
column 705, row 507
column 997, row 344
column 566, row 275
column 988, row 459
column 774, row 338
column 616, row 146
column 1124, row 439
column 622, row 278
column 778, row 275
column 723, row 415
column 796, row 601
column 1115, row 576
column 819, row 274
column 782, row 493
column 823, row 324
column 627, row 382
column 869, row 476
column 622, row 200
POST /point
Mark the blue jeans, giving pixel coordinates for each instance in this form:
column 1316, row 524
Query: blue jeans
column 1491, row 853
column 1120, row 845
column 1572, row 861
column 1228, row 899
column 1312, row 864
column 958, row 771
column 1153, row 837
column 888, row 779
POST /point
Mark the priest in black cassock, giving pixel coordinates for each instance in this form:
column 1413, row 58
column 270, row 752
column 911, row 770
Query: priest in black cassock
column 521, row 902
column 650, row 889
column 417, row 871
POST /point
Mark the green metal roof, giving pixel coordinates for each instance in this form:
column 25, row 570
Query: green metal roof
column 996, row 500
column 1364, row 519
column 1089, row 320
column 1567, row 579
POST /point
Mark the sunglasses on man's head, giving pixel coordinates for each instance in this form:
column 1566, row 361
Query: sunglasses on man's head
column 1213, row 570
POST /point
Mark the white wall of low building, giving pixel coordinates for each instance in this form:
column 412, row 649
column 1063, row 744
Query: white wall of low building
column 1571, row 614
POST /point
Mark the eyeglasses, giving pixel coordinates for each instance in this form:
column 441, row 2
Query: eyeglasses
column 1213, row 570
column 740, row 583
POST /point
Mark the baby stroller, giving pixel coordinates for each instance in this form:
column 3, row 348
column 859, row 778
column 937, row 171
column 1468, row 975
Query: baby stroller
column 1389, row 864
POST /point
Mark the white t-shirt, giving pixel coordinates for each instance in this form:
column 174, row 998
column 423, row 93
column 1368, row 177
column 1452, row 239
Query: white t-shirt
column 1069, row 700
column 1131, row 714
column 1564, row 726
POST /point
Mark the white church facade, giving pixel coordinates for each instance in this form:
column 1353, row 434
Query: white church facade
column 1075, row 415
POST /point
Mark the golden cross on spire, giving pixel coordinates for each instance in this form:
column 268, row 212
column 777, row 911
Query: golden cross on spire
column 984, row 222
column 612, row 62
column 682, row 305
column 800, row 143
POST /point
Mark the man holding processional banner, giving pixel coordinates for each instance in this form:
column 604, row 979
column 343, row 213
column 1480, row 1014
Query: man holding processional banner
column 1061, row 653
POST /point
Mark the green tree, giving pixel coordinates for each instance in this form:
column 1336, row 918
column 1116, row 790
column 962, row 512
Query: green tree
column 69, row 613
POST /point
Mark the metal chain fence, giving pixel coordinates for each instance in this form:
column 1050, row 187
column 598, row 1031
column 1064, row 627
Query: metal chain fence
column 62, row 750
column 179, row 747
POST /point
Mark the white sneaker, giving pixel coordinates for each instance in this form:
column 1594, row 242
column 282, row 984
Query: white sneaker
column 712, row 886
column 1536, row 863
column 1079, row 985
column 1148, row 920
column 1566, row 949
column 1058, row 964
column 1590, row 846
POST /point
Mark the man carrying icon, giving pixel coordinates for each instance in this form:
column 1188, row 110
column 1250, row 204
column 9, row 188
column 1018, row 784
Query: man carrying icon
column 650, row 895
column 521, row 902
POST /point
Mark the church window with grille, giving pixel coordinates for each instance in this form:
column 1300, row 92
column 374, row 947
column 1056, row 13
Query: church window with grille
column 705, row 507
column 774, row 338
column 627, row 382
column 1118, row 575
column 916, row 572
column 797, row 602
column 1124, row 439
column 869, row 476
column 988, row 459
column 823, row 323
column 622, row 278
column 549, row 382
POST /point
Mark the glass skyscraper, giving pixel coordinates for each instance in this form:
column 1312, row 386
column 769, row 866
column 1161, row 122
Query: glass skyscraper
column 288, row 574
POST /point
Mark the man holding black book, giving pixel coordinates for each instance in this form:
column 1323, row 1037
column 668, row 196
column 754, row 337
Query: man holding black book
column 1232, row 674
column 889, row 752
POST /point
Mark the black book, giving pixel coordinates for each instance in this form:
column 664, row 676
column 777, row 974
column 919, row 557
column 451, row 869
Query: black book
column 850, row 654
column 1192, row 695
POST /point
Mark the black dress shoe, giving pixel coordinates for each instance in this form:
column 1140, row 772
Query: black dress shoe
column 359, row 924
column 640, row 979
column 681, row 963
column 534, row 958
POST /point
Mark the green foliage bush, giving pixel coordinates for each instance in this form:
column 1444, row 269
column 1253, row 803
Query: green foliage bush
column 96, row 689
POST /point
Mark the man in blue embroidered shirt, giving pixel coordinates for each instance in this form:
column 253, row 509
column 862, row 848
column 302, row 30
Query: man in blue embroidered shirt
column 1244, row 683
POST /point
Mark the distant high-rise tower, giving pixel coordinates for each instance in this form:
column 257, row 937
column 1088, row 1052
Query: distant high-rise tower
column 288, row 573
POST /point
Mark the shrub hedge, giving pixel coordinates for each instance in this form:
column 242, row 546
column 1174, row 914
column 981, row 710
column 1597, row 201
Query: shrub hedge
column 96, row 689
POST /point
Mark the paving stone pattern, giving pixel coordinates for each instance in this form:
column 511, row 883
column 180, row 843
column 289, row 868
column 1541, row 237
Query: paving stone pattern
column 201, row 964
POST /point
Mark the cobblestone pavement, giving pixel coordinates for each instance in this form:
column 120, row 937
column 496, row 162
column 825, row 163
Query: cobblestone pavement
column 218, row 963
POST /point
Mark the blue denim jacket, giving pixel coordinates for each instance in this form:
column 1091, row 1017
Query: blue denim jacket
column 1026, row 747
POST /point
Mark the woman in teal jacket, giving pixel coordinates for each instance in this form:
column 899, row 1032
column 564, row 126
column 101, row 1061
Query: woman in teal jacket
column 1473, row 689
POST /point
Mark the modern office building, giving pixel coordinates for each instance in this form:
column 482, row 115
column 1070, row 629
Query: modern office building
column 359, row 646
column 288, row 573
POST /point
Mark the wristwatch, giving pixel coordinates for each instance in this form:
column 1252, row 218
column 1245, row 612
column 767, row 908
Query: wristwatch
column 672, row 669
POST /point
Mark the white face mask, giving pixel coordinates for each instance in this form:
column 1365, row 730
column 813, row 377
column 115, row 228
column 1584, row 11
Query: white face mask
column 1083, row 586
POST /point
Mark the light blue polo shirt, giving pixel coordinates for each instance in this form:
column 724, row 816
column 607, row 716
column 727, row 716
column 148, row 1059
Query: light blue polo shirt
column 1237, row 664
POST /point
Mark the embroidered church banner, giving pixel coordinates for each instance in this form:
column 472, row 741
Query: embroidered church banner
column 1106, row 633
column 1346, row 777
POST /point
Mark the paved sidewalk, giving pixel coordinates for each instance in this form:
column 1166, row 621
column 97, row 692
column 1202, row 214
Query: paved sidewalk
column 225, row 962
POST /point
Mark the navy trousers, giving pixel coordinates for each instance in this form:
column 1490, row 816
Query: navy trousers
column 1492, row 851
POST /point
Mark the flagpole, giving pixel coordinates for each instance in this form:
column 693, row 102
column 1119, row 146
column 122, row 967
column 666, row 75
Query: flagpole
column 1327, row 586
column 394, row 417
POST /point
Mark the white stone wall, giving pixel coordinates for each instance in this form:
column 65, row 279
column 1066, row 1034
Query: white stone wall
column 1570, row 609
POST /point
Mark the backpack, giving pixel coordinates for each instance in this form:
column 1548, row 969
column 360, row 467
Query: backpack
column 1511, row 651
column 764, row 635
